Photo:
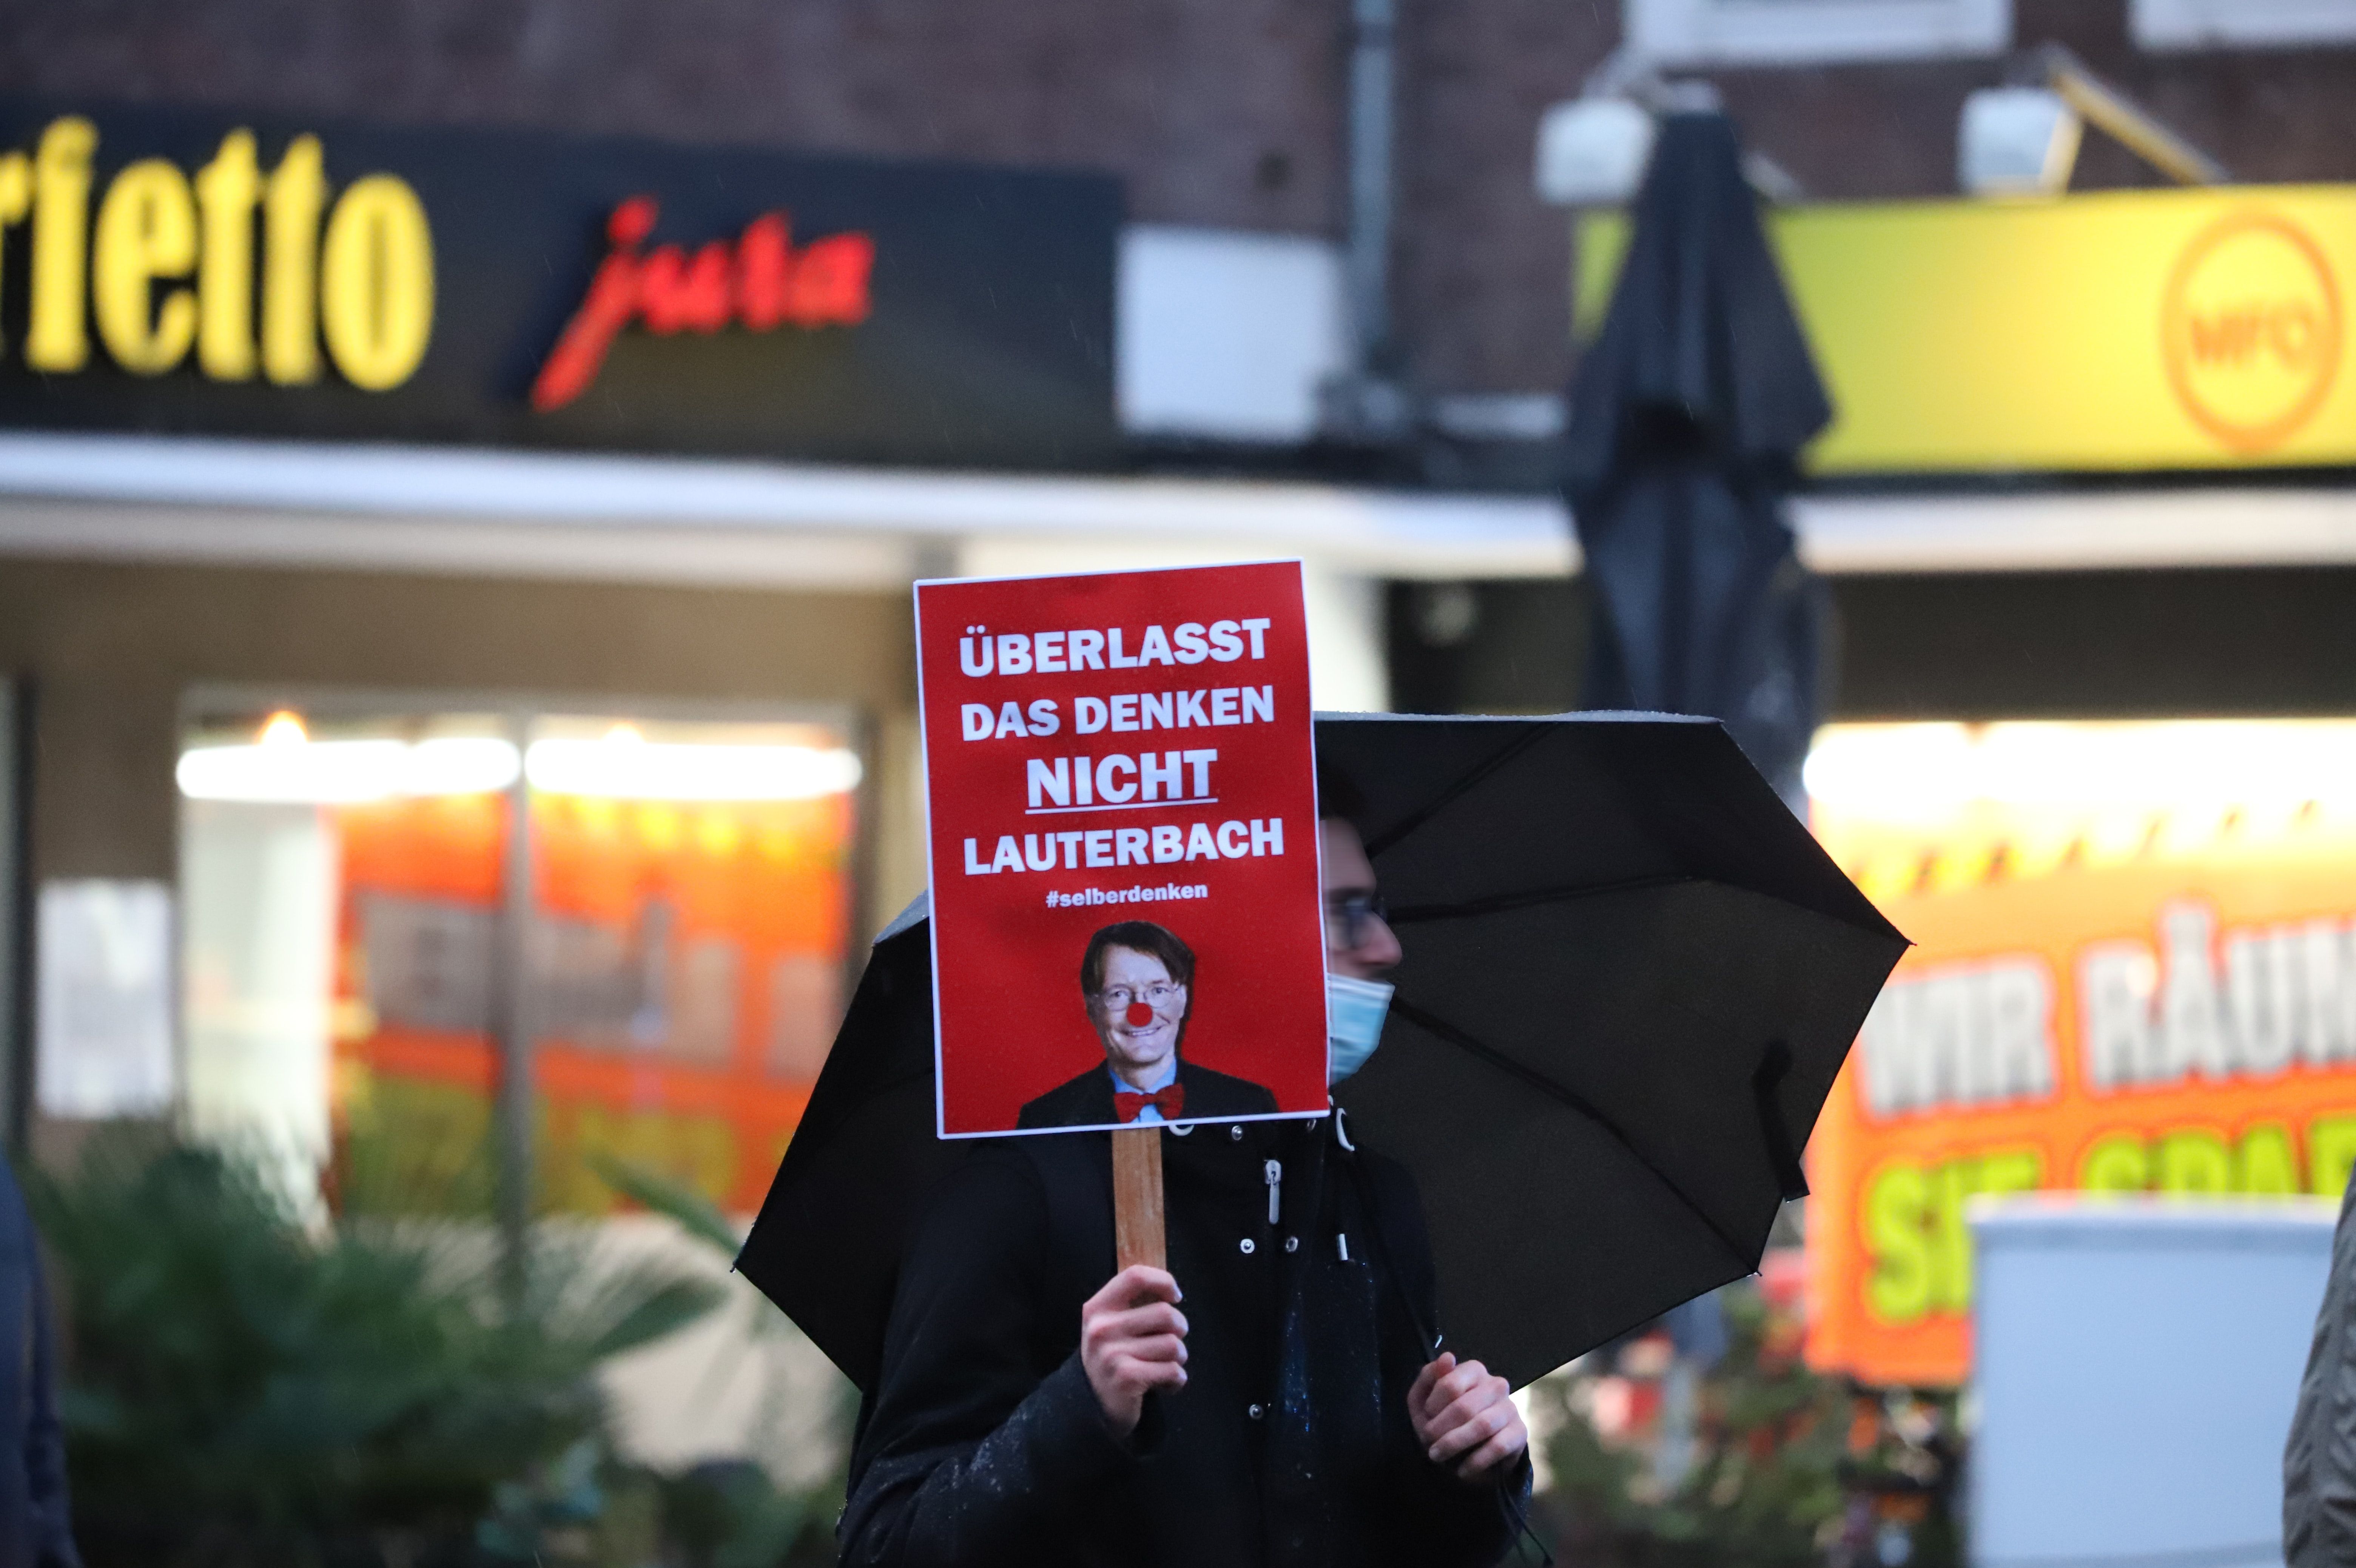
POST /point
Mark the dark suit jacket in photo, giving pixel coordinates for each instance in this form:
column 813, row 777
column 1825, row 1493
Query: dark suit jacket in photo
column 1087, row 1100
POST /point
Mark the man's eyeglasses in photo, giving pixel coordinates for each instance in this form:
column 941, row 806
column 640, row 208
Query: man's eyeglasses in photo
column 1117, row 998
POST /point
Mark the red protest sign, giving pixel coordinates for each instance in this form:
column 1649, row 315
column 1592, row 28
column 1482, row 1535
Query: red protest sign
column 1121, row 794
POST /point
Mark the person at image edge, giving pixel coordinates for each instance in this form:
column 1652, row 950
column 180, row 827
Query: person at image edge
column 36, row 1514
column 1286, row 1409
column 1137, row 981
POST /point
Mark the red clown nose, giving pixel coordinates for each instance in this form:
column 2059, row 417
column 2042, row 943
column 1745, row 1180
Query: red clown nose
column 1139, row 1015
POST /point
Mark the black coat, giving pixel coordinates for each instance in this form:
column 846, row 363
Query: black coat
column 1291, row 1446
column 1087, row 1100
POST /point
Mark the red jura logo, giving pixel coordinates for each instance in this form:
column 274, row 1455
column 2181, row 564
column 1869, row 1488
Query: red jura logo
column 760, row 282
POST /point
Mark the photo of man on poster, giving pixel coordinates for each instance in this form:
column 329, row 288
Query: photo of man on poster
column 1118, row 774
column 1137, row 982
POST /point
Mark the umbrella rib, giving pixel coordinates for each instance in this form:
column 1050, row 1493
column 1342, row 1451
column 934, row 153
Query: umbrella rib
column 1564, row 1095
column 1504, row 903
column 1530, row 736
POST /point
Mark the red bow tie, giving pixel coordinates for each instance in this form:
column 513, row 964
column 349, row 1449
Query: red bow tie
column 1169, row 1101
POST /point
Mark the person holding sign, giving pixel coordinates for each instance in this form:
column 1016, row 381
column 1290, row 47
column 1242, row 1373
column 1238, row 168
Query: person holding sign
column 1137, row 981
column 1273, row 1397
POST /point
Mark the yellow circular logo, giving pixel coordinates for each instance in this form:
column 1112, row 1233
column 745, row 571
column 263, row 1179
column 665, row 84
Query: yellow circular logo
column 2251, row 329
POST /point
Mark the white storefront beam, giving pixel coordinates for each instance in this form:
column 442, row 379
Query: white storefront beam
column 562, row 514
column 676, row 520
column 2059, row 531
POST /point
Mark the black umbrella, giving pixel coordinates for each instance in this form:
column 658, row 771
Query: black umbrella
column 826, row 1245
column 1631, row 975
column 1687, row 420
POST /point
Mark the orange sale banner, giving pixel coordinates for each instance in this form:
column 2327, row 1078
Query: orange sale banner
column 2135, row 972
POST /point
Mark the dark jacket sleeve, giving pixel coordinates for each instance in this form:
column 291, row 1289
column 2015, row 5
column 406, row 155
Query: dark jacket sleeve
column 2320, row 1458
column 51, row 1515
column 1443, row 1521
column 980, row 1440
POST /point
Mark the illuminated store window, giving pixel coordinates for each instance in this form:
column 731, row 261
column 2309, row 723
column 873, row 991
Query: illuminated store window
column 2133, row 972
column 352, row 935
column 1915, row 807
column 2104, row 913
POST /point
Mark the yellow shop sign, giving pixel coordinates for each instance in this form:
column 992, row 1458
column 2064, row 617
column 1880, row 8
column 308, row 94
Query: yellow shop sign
column 2110, row 331
column 166, row 269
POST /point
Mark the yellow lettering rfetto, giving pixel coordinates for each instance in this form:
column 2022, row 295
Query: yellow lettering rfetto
column 296, row 195
column 171, row 263
column 15, row 198
column 376, row 283
column 146, row 234
column 227, row 190
column 56, row 340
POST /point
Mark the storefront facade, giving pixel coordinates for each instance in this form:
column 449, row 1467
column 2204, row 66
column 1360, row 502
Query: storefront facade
column 366, row 494
column 2084, row 515
column 266, row 908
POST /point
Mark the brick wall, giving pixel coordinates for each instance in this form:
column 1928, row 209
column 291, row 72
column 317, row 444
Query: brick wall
column 1222, row 113
column 1482, row 265
column 1482, row 262
column 1217, row 111
column 1860, row 132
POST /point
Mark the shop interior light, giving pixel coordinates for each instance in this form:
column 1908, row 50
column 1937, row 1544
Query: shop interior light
column 284, row 767
column 278, row 772
column 1891, row 772
column 459, row 765
column 624, row 765
column 1908, row 772
column 1910, row 808
column 284, row 764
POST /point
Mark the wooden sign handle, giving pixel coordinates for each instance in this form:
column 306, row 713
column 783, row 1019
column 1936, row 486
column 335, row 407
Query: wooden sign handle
column 1137, row 1198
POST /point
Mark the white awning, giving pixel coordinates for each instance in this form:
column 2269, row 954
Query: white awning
column 471, row 510
column 681, row 519
column 2053, row 531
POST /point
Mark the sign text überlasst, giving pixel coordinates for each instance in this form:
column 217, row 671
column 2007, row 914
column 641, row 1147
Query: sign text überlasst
column 1109, row 747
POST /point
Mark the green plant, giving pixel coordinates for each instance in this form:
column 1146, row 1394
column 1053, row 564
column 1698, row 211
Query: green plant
column 1764, row 1485
column 729, row 1514
column 247, row 1384
column 734, row 1514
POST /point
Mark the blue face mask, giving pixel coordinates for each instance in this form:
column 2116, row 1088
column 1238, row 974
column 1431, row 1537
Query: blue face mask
column 1354, row 1023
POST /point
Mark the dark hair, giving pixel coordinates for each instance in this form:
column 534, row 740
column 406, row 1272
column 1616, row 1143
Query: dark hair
column 1338, row 795
column 1138, row 935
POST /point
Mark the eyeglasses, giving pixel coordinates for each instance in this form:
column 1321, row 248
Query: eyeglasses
column 1117, row 998
column 1353, row 916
